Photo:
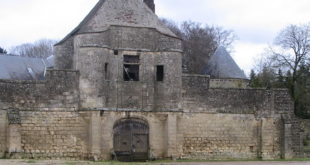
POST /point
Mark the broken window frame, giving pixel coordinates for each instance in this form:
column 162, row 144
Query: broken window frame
column 131, row 68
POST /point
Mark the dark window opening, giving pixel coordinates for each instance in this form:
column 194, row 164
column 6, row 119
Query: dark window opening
column 106, row 73
column 131, row 72
column 131, row 59
column 101, row 113
column 115, row 52
column 160, row 73
column 131, row 68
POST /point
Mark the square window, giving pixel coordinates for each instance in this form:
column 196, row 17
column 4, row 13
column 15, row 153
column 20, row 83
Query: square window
column 131, row 72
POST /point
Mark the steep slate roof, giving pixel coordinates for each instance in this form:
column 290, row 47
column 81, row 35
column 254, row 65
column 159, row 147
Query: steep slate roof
column 23, row 68
column 49, row 61
column 222, row 65
column 133, row 13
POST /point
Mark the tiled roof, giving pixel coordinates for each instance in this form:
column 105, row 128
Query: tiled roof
column 23, row 68
column 222, row 65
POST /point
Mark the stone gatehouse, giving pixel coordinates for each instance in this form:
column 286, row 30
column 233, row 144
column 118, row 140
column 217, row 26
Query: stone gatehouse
column 117, row 91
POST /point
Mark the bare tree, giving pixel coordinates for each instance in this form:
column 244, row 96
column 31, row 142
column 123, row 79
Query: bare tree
column 291, row 52
column 292, row 48
column 41, row 49
column 172, row 26
column 200, row 42
column 3, row 51
column 223, row 37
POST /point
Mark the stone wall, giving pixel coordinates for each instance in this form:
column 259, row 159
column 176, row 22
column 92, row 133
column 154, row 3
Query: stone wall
column 106, row 88
column 142, row 39
column 198, row 97
column 131, row 38
column 273, row 106
column 32, row 136
column 59, row 90
column 127, row 38
column 210, row 124
column 54, row 134
column 283, row 102
column 284, row 105
column 219, row 136
column 195, row 135
column 228, row 83
column 68, row 134
column 64, row 54
column 3, row 132
column 271, row 138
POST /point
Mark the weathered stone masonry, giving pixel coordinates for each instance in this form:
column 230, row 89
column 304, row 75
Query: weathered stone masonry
column 3, row 132
column 121, row 63
column 213, row 124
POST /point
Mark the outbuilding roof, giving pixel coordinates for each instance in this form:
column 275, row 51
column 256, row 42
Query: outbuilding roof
column 23, row 68
column 222, row 65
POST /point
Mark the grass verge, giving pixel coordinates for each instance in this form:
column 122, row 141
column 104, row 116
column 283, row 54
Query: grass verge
column 163, row 162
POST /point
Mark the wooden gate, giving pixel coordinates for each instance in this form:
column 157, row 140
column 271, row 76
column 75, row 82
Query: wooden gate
column 131, row 140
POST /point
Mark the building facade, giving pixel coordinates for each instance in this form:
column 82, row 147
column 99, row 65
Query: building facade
column 117, row 91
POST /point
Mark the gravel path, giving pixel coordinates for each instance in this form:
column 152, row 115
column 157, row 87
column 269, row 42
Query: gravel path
column 59, row 162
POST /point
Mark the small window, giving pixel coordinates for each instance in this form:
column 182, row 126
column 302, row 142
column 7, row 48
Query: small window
column 160, row 73
column 131, row 68
column 116, row 52
column 101, row 113
column 106, row 73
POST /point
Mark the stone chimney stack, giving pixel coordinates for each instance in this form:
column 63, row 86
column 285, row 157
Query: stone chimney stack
column 150, row 4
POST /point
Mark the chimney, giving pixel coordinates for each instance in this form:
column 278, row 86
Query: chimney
column 150, row 4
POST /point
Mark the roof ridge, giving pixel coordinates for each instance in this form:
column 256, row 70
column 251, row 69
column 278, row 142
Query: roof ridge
column 83, row 22
column 12, row 55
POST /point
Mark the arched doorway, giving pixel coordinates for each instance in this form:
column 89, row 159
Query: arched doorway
column 131, row 140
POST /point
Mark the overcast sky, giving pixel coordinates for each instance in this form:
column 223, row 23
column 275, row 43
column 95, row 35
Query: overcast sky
column 255, row 22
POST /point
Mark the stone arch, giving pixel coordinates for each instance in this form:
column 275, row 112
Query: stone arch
column 131, row 139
